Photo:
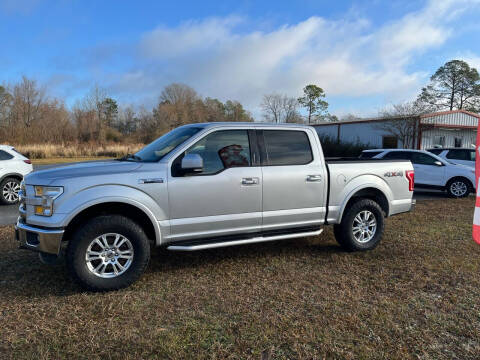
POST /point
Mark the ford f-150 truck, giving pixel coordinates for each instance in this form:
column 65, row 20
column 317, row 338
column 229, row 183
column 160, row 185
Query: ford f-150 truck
column 204, row 186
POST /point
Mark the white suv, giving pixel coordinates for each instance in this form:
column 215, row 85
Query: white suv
column 460, row 156
column 431, row 171
column 13, row 167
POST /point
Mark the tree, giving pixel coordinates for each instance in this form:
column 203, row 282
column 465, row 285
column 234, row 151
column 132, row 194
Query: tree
column 313, row 101
column 27, row 101
column 455, row 85
column 109, row 111
column 349, row 117
column 5, row 107
column 234, row 111
column 279, row 108
column 402, row 121
column 176, row 93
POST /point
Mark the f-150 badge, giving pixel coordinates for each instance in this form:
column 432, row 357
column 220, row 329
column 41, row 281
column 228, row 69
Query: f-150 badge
column 393, row 173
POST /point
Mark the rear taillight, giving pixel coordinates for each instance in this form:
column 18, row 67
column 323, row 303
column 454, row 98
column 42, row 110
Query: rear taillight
column 27, row 161
column 410, row 177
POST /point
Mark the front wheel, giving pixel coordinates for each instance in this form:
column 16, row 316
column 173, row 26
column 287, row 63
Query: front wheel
column 361, row 227
column 108, row 253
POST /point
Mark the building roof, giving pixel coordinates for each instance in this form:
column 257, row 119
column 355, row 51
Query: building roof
column 451, row 112
column 373, row 119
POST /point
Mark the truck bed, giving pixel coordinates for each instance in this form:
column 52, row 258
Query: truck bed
column 348, row 175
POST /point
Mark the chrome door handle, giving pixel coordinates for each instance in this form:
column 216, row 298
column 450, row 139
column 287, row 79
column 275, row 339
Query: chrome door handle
column 314, row 178
column 250, row 181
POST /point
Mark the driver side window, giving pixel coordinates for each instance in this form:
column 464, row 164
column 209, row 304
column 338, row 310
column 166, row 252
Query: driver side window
column 221, row 150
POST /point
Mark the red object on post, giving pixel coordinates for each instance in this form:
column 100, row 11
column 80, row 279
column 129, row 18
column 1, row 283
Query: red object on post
column 476, row 214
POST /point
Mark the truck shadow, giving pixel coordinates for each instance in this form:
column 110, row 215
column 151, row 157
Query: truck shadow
column 23, row 275
column 165, row 261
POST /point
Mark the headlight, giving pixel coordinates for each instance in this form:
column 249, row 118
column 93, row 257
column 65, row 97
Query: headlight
column 48, row 195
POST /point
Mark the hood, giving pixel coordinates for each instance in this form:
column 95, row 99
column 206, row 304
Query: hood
column 87, row 169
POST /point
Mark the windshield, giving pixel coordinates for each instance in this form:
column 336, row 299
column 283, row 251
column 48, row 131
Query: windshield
column 163, row 145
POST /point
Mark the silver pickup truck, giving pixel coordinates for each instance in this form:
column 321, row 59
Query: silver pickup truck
column 204, row 186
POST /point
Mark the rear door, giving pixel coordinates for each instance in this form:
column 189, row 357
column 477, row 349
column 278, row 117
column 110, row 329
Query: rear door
column 294, row 179
column 5, row 162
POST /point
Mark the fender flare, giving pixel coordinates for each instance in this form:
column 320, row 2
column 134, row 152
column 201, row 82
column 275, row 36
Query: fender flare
column 11, row 175
column 360, row 188
column 119, row 199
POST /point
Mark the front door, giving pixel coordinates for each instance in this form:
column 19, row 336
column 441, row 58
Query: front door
column 294, row 180
column 225, row 197
column 427, row 172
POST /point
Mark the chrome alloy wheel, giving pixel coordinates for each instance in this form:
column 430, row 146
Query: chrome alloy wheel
column 458, row 188
column 364, row 226
column 109, row 255
column 10, row 191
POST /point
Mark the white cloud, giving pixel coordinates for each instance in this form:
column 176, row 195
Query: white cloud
column 346, row 58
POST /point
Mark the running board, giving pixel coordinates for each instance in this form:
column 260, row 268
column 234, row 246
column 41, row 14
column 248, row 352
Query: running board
column 254, row 240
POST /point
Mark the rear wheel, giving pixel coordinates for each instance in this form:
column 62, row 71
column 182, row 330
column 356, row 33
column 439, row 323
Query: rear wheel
column 459, row 187
column 361, row 227
column 9, row 191
column 108, row 253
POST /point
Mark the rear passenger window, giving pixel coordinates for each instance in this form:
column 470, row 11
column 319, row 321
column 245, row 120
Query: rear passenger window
column 5, row 156
column 459, row 154
column 435, row 151
column 287, row 147
column 472, row 155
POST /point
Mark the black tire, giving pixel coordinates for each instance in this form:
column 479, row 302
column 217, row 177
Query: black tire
column 5, row 185
column 81, row 240
column 344, row 231
column 455, row 187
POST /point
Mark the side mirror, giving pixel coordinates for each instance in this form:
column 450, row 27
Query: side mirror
column 438, row 163
column 192, row 162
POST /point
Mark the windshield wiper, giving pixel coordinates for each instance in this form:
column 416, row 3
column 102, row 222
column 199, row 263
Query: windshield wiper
column 129, row 157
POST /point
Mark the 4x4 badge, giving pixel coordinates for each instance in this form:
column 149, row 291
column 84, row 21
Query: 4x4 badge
column 393, row 173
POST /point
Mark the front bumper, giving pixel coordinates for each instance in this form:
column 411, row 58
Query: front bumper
column 38, row 239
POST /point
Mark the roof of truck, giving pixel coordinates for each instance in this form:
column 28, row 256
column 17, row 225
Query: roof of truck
column 371, row 150
column 253, row 124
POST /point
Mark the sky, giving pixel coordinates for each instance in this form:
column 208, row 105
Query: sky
column 366, row 55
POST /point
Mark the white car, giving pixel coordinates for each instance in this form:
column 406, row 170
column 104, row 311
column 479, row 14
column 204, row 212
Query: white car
column 13, row 167
column 431, row 171
column 460, row 156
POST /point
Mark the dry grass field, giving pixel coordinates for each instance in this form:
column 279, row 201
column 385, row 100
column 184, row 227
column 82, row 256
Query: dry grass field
column 71, row 151
column 417, row 296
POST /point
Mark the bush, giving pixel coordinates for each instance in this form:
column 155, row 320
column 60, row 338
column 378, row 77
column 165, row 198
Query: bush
column 331, row 148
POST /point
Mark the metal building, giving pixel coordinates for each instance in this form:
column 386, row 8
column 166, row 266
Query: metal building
column 456, row 128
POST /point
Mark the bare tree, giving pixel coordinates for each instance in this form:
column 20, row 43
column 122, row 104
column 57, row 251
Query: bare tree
column 27, row 102
column 402, row 121
column 5, row 107
column 279, row 108
column 349, row 117
column 178, row 94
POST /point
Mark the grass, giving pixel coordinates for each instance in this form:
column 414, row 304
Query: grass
column 60, row 160
column 417, row 295
column 83, row 150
